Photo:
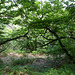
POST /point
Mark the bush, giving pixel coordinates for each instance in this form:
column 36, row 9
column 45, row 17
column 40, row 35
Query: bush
column 1, row 62
column 34, row 52
column 34, row 73
column 22, row 61
column 68, row 69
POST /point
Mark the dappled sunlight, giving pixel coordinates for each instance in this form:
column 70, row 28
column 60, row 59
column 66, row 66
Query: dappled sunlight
column 10, row 56
column 15, row 54
column 30, row 55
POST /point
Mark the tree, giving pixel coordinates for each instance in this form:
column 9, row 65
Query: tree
column 48, row 20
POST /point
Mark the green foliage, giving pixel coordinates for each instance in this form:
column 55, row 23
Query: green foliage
column 21, row 61
column 34, row 52
column 59, row 72
column 1, row 62
column 22, row 16
column 34, row 73
column 12, row 69
column 66, row 70
column 1, row 32
column 2, row 72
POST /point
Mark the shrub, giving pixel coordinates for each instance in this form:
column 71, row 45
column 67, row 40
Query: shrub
column 22, row 61
column 34, row 73
column 1, row 62
column 66, row 70
column 34, row 52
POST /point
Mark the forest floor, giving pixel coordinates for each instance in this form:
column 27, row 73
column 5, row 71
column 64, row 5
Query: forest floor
column 13, row 55
column 31, row 64
column 39, row 59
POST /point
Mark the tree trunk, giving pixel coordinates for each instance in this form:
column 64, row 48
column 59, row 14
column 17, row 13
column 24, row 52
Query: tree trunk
column 63, row 47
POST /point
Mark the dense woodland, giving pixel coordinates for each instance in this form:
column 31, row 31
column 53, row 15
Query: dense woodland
column 38, row 27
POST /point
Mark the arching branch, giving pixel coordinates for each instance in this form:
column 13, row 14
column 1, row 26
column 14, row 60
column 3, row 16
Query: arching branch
column 25, row 35
column 61, row 44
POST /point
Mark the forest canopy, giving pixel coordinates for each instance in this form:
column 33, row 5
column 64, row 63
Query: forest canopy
column 47, row 26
